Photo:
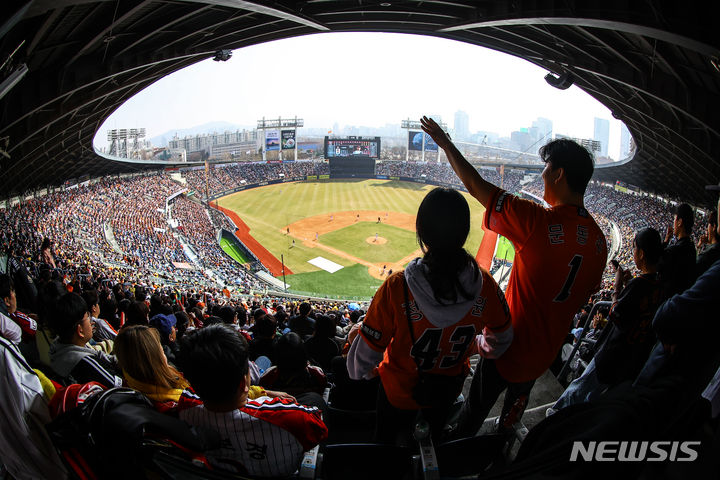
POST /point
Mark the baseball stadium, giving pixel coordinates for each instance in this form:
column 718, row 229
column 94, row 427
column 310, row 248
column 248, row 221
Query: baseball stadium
column 275, row 303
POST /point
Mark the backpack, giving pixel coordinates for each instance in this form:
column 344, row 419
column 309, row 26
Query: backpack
column 116, row 433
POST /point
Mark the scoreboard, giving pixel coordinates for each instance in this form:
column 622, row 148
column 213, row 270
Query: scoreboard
column 352, row 156
column 352, row 147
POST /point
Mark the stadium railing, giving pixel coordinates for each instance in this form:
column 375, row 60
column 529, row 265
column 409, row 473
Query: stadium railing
column 566, row 367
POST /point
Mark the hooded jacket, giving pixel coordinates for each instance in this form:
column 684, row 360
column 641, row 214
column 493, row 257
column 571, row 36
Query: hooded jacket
column 84, row 364
column 445, row 335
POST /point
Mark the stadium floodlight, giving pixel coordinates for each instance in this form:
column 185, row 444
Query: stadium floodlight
column 222, row 55
column 13, row 79
column 562, row 81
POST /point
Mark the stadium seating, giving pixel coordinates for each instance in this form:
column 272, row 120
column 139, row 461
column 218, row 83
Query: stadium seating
column 114, row 235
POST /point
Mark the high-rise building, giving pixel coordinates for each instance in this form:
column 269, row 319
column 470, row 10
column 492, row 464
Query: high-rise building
column 625, row 141
column 462, row 125
column 602, row 134
column 521, row 140
column 542, row 127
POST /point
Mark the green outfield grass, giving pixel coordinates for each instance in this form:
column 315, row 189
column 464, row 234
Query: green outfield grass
column 267, row 210
column 505, row 247
column 231, row 249
column 354, row 281
column 352, row 239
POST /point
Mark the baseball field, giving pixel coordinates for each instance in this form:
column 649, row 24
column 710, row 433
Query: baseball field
column 367, row 227
column 505, row 250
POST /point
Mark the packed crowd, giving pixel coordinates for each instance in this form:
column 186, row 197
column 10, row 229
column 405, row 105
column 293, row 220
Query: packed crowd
column 222, row 179
column 195, row 224
column 93, row 333
column 443, row 172
column 120, row 226
column 87, row 311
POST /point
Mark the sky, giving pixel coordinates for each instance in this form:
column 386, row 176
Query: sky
column 362, row 79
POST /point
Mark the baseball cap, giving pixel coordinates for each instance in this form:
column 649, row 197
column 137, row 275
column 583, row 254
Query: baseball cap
column 163, row 324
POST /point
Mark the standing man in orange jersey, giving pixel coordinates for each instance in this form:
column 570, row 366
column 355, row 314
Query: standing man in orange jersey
column 560, row 255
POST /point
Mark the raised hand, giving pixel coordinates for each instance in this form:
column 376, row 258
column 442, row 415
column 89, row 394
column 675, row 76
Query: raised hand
column 438, row 135
column 668, row 233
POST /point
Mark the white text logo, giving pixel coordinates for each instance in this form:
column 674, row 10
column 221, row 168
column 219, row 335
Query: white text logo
column 615, row 451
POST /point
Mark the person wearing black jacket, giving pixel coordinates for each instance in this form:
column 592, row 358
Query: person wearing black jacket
column 302, row 324
column 708, row 246
column 70, row 356
column 677, row 267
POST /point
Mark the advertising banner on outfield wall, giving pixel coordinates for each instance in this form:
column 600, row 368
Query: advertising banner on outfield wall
column 272, row 140
column 288, row 139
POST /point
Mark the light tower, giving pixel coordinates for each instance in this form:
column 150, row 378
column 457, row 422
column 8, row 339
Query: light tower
column 280, row 130
column 414, row 126
column 125, row 143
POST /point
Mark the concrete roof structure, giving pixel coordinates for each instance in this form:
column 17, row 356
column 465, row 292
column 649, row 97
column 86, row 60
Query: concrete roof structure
column 653, row 64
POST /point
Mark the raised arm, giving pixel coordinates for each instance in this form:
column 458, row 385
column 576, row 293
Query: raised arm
column 477, row 186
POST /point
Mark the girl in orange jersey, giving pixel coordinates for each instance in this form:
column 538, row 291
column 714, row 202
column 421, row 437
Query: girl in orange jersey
column 454, row 308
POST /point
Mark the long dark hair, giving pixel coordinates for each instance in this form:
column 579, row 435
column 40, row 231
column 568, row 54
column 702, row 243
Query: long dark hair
column 442, row 225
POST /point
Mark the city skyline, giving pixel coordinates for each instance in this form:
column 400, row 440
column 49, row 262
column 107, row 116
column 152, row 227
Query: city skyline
column 361, row 80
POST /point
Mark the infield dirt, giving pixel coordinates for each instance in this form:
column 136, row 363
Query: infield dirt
column 309, row 228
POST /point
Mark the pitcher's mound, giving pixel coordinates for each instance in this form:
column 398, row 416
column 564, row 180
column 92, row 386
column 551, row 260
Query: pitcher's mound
column 376, row 241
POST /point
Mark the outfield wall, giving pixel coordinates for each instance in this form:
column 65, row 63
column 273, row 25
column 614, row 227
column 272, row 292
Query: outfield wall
column 272, row 263
column 330, row 177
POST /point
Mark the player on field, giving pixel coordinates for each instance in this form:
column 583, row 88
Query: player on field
column 559, row 260
column 455, row 309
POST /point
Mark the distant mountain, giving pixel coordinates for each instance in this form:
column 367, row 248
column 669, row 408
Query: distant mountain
column 210, row 127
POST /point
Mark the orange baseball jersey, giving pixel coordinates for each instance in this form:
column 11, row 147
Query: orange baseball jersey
column 441, row 351
column 560, row 255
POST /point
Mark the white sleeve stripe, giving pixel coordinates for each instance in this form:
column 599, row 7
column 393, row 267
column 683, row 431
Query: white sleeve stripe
column 111, row 379
column 362, row 359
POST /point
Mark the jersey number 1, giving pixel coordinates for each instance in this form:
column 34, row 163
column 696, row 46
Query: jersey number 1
column 570, row 280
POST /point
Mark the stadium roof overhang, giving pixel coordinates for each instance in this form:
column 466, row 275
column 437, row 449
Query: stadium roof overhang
column 653, row 64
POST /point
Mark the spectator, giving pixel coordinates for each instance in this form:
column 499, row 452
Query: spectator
column 322, row 347
column 264, row 335
column 263, row 437
column 677, row 269
column 8, row 307
column 424, row 322
column 708, row 245
column 302, row 324
column 229, row 316
column 146, row 369
column 687, row 329
column 70, row 356
column 46, row 255
column 138, row 313
column 183, row 322
column 102, row 330
column 109, row 314
column 562, row 238
column 292, row 373
column 165, row 325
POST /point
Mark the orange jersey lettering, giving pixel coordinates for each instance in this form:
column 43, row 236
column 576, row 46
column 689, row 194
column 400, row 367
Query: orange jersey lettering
column 560, row 255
